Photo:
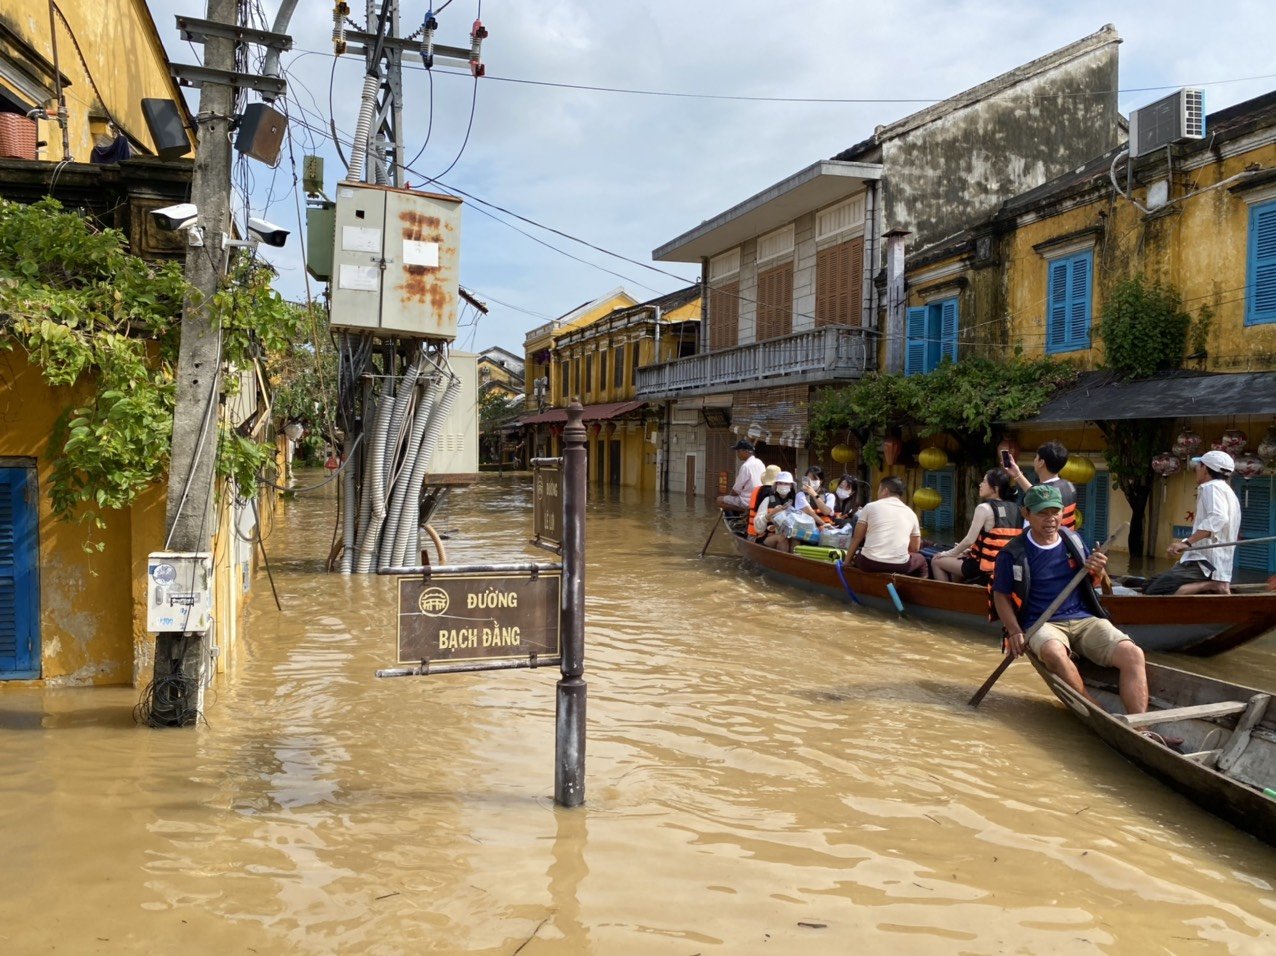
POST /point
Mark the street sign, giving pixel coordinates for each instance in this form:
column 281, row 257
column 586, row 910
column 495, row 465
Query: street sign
column 479, row 616
column 547, row 500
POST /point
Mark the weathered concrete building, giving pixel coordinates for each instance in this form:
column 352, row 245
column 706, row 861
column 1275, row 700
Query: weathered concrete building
column 804, row 279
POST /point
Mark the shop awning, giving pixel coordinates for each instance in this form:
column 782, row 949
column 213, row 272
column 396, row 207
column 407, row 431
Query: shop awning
column 593, row 413
column 1098, row 396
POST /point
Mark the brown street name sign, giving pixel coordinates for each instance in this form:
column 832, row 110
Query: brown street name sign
column 479, row 616
column 547, row 502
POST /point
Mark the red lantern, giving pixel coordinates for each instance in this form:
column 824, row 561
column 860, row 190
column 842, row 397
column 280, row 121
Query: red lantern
column 1165, row 464
column 1233, row 441
column 891, row 448
column 1186, row 445
column 1248, row 466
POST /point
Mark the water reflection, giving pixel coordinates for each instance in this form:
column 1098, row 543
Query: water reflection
column 768, row 770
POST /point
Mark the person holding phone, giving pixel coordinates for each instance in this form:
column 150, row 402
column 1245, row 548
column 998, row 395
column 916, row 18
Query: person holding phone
column 1050, row 459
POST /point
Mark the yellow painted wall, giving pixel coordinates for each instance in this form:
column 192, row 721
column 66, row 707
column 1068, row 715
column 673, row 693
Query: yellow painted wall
column 120, row 42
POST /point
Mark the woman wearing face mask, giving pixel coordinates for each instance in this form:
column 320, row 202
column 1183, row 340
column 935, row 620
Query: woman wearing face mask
column 812, row 499
column 782, row 498
column 845, row 504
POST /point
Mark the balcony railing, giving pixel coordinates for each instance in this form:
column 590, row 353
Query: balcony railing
column 830, row 354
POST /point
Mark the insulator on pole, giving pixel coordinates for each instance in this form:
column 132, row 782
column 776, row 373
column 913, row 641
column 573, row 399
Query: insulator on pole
column 427, row 40
column 477, row 35
column 340, row 11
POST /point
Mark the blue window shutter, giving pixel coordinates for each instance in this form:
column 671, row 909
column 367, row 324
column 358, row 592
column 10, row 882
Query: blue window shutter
column 1057, row 306
column 19, row 602
column 915, row 344
column 1078, row 334
column 1260, row 271
column 941, row 518
column 1094, row 505
column 1258, row 520
column 948, row 330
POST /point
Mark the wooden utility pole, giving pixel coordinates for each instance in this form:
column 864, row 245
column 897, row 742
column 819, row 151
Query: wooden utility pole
column 181, row 660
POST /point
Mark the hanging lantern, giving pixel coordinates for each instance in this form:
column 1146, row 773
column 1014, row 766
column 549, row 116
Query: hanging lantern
column 927, row 499
column 1078, row 470
column 843, row 454
column 1233, row 441
column 1186, row 445
column 1010, row 445
column 1248, row 466
column 1165, row 464
column 932, row 459
column 891, row 448
column 1079, row 517
column 1267, row 448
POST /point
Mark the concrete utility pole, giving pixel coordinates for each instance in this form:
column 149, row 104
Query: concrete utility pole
column 191, row 517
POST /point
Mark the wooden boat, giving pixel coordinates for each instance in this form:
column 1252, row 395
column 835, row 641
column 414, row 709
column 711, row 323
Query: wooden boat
column 1201, row 625
column 1228, row 755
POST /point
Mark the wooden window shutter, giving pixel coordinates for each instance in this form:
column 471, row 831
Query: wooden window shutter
column 724, row 316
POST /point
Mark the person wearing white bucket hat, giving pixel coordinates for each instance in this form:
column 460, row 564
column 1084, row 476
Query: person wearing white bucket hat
column 1218, row 519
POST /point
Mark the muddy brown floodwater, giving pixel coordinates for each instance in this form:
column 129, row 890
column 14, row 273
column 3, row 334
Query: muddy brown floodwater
column 768, row 772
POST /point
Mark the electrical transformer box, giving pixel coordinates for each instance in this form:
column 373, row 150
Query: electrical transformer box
column 179, row 591
column 395, row 261
column 457, row 450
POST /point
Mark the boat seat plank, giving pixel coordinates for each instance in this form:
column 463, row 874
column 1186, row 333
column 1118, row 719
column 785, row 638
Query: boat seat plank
column 1255, row 710
column 1220, row 709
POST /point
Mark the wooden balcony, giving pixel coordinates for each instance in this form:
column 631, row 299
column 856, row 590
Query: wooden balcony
column 829, row 355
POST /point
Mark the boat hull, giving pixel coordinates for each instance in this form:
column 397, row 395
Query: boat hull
column 1200, row 625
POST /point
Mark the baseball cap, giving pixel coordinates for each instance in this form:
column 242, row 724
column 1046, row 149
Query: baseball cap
column 1040, row 497
column 743, row 445
column 1215, row 461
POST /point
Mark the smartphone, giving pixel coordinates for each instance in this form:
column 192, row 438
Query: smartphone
column 1005, row 458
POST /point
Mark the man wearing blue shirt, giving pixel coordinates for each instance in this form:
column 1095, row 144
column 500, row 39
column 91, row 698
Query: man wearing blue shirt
column 1031, row 571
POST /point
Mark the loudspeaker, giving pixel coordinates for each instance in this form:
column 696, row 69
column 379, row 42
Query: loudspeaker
column 167, row 130
column 261, row 133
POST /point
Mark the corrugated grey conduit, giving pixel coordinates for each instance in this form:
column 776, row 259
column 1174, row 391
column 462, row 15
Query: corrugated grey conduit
column 366, row 108
column 372, row 504
column 403, row 483
column 408, row 531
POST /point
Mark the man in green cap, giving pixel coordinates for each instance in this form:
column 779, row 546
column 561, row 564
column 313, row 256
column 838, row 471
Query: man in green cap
column 1031, row 571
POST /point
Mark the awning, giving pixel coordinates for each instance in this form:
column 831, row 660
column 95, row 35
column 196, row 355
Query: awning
column 593, row 413
column 1098, row 396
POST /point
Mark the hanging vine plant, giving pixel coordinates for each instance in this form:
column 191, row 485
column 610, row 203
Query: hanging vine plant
column 92, row 317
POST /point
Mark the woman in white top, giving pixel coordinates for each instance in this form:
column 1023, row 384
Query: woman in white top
column 780, row 499
column 813, row 499
column 958, row 562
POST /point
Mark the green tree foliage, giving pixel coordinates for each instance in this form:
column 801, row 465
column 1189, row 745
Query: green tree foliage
column 1144, row 328
column 303, row 380
column 105, row 323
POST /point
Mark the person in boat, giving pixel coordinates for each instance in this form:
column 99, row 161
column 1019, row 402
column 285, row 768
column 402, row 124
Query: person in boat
column 781, row 499
column 845, row 501
column 1031, row 571
column 1218, row 518
column 813, row 499
column 887, row 535
column 769, row 475
column 1051, row 457
column 996, row 520
column 748, row 477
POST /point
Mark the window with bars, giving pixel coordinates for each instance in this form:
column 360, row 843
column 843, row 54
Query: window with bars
column 724, row 316
column 1068, row 302
column 775, row 302
column 839, row 271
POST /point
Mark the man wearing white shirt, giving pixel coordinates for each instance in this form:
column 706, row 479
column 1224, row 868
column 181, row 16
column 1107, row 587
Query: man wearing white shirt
column 1218, row 519
column 747, row 478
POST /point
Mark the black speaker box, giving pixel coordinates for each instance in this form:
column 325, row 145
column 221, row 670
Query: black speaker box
column 167, row 130
column 261, row 133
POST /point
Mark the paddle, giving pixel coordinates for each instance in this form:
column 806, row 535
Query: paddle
column 716, row 522
column 1232, row 544
column 1045, row 616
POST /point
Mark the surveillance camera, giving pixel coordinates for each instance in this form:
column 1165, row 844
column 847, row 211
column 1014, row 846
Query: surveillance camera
column 267, row 232
column 180, row 216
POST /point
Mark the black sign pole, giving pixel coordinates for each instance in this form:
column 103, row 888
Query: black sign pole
column 569, row 714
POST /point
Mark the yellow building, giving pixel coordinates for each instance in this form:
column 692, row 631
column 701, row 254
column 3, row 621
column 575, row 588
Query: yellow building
column 69, row 616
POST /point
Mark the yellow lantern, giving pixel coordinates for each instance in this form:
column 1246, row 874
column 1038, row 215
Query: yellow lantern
column 932, row 459
column 927, row 499
column 842, row 454
column 1080, row 519
column 1078, row 470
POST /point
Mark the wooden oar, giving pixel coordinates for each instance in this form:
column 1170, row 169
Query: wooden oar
column 716, row 522
column 1045, row 616
column 1231, row 544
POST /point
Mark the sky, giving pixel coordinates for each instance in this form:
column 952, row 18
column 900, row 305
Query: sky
column 628, row 172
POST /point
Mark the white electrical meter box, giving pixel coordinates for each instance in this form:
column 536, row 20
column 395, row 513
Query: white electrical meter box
column 396, row 261
column 179, row 591
column 457, row 450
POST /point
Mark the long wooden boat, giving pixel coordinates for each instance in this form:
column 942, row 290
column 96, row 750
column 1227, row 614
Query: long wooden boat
column 1227, row 759
column 1201, row 625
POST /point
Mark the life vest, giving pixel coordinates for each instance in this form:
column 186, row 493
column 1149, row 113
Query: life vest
column 755, row 499
column 1017, row 547
column 1006, row 524
column 1068, row 492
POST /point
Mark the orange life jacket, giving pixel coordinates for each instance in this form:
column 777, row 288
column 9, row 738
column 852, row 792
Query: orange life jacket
column 1006, row 524
column 760, row 492
column 1068, row 492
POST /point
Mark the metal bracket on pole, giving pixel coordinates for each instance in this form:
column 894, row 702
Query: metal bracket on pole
column 194, row 30
column 199, row 75
column 405, row 46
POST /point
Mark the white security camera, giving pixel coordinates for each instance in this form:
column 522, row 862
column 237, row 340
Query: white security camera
column 180, row 216
column 267, row 232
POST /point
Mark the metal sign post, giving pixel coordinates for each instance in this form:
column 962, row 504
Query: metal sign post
column 569, row 713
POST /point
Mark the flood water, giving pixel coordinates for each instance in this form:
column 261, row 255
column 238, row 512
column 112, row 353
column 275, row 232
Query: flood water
column 768, row 772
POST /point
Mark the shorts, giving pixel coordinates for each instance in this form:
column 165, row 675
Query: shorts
column 914, row 567
column 735, row 501
column 1185, row 572
column 1094, row 638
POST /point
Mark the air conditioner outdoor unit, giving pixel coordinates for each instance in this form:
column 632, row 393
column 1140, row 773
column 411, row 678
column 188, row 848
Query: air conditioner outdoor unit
column 1178, row 117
